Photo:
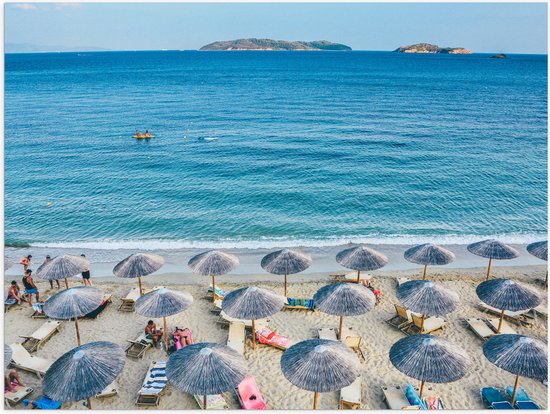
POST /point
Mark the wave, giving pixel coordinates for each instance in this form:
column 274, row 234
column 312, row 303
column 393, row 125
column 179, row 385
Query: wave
column 271, row 243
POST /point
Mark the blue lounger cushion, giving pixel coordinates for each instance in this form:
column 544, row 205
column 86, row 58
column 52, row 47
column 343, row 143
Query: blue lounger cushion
column 495, row 398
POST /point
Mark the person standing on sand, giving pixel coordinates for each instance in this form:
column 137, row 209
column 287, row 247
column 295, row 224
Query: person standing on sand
column 26, row 262
column 49, row 259
column 30, row 287
column 86, row 274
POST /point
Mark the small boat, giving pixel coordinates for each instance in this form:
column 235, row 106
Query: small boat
column 143, row 136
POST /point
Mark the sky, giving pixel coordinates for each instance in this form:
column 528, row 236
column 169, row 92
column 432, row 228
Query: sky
column 480, row 27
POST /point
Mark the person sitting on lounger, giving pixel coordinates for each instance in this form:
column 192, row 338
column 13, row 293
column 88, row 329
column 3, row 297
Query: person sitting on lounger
column 30, row 287
column 153, row 333
column 11, row 381
column 14, row 293
column 181, row 338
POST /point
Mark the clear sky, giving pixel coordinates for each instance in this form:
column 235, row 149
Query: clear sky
column 481, row 27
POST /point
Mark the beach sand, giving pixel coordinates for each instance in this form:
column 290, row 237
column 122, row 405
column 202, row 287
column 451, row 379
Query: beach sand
column 264, row 364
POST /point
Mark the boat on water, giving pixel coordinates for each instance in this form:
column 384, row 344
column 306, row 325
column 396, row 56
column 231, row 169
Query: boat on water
column 143, row 136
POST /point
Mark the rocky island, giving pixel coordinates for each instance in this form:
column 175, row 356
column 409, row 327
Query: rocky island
column 429, row 48
column 269, row 44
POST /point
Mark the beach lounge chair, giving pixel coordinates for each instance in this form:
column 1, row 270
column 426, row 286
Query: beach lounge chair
column 350, row 396
column 353, row 341
column 249, row 388
column 107, row 299
column 217, row 308
column 17, row 394
column 129, row 302
column 504, row 329
column 523, row 402
column 43, row 403
column 431, row 324
column 224, row 319
column 21, row 359
column 327, row 333
column 266, row 336
column 431, row 400
column 153, row 385
column 138, row 346
column 394, row 397
column 401, row 280
column 38, row 311
column 402, row 318
column 8, row 303
column 541, row 310
column 109, row 391
column 299, row 304
column 493, row 398
column 220, row 293
column 213, row 402
column 39, row 337
column 480, row 328
column 236, row 337
column 519, row 317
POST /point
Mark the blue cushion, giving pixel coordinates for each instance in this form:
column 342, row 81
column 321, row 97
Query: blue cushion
column 413, row 397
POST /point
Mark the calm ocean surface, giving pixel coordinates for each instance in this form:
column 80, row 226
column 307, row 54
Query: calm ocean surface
column 312, row 148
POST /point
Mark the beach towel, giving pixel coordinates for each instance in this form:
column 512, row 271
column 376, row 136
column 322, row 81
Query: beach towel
column 44, row 403
column 307, row 303
column 268, row 337
column 219, row 292
column 413, row 397
column 156, row 380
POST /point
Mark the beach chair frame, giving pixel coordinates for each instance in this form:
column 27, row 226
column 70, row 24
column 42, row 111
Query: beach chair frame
column 137, row 348
column 518, row 318
column 354, row 342
column 414, row 328
column 38, row 372
column 12, row 398
column 401, row 318
column 354, row 405
column 109, row 391
column 150, row 400
column 472, row 322
column 32, row 344
column 389, row 391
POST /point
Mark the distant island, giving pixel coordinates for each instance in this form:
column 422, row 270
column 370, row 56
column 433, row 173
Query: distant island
column 429, row 48
column 269, row 44
column 499, row 56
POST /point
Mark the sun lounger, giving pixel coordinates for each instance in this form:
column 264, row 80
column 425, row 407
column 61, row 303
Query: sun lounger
column 299, row 304
column 17, row 394
column 353, row 341
column 225, row 319
column 480, row 328
column 519, row 317
column 402, row 318
column 217, row 308
column 38, row 311
column 109, row 391
column 431, row 324
column 350, row 396
column 21, row 359
column 401, row 280
column 43, row 403
column 236, row 337
column 504, row 329
column 107, row 299
column 220, row 293
column 350, row 277
column 39, row 337
column 138, row 346
column 213, row 402
column 129, row 302
column 153, row 385
column 394, row 397
column 431, row 400
column 249, row 388
column 523, row 402
column 327, row 333
column 493, row 398
column 266, row 336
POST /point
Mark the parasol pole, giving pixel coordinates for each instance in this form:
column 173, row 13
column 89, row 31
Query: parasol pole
column 140, row 288
column 315, row 395
column 213, row 288
column 500, row 321
column 285, row 284
column 340, row 331
column 515, row 390
column 66, row 284
column 422, row 323
column 89, row 403
column 358, row 276
column 77, row 331
column 421, row 389
column 424, row 274
column 253, row 334
column 165, row 334
column 204, row 402
column 489, row 269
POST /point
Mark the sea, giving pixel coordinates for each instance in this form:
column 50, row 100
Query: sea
column 267, row 149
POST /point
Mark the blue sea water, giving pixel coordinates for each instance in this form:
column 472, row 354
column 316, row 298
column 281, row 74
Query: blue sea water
column 311, row 148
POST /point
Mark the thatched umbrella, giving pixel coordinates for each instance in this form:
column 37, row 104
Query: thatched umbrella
column 492, row 249
column 427, row 298
column 138, row 265
column 519, row 355
column 540, row 250
column 429, row 254
column 344, row 299
column 161, row 303
column 213, row 263
column 73, row 303
column 429, row 358
column 7, row 355
column 286, row 262
column 8, row 262
column 252, row 303
column 84, row 371
column 320, row 365
column 205, row 368
column 62, row 267
column 361, row 258
column 507, row 295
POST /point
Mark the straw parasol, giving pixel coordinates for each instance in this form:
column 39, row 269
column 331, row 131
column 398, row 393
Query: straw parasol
column 7, row 355
column 205, row 368
column 429, row 358
column 286, row 262
column 320, row 365
column 62, row 267
column 507, row 295
column 8, row 262
column 161, row 303
column 540, row 250
column 213, row 263
column 84, row 371
column 492, row 249
column 138, row 265
column 429, row 254
column 427, row 298
column 361, row 258
column 251, row 303
column 344, row 299
column 519, row 355
column 73, row 303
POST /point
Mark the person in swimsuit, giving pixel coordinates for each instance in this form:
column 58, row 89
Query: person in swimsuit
column 14, row 293
column 47, row 260
column 153, row 333
column 147, row 133
column 26, row 262
column 30, row 287
column 86, row 274
column 12, row 380
column 138, row 134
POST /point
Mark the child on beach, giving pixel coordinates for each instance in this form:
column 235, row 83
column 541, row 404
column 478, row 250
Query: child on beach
column 30, row 287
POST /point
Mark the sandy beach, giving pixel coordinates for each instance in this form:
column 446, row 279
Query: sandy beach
column 264, row 364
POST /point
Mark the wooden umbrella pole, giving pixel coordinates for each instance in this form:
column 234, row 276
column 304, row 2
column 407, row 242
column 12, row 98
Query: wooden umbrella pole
column 89, row 403
column 546, row 281
column 515, row 390
column 77, row 331
column 315, row 395
column 140, row 287
column 204, row 402
column 66, row 284
column 253, row 334
column 489, row 269
column 285, row 285
column 358, row 276
column 340, row 330
column 424, row 274
column 500, row 321
column 213, row 288
column 165, row 334
column 421, row 389
column 422, row 323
